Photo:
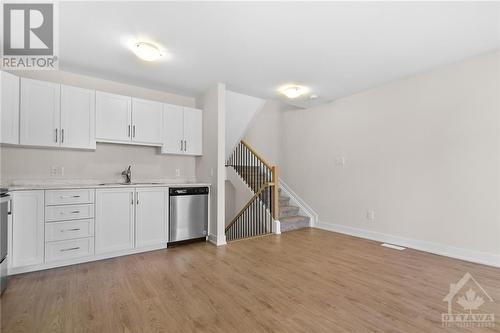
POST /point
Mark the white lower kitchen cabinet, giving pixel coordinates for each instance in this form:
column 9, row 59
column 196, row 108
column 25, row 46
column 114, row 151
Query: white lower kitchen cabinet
column 151, row 216
column 27, row 232
column 69, row 249
column 114, row 220
column 59, row 227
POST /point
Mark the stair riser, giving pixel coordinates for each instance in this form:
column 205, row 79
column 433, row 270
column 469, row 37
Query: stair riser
column 284, row 202
column 289, row 212
column 294, row 226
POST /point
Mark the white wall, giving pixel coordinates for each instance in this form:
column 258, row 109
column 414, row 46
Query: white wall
column 210, row 167
column 265, row 133
column 421, row 152
column 107, row 161
column 240, row 110
column 237, row 194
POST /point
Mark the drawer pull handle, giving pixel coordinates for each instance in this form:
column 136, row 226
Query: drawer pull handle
column 68, row 196
column 75, row 212
column 70, row 249
column 75, row 229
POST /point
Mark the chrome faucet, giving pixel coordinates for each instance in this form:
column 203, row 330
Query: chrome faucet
column 128, row 175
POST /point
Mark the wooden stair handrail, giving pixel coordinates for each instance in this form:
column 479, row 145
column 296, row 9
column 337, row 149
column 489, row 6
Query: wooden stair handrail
column 256, row 195
column 260, row 158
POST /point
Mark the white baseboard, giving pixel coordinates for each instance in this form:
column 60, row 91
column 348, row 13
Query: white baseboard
column 485, row 258
column 217, row 241
column 276, row 227
column 295, row 199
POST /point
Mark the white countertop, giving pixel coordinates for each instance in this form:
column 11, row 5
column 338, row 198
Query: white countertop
column 52, row 185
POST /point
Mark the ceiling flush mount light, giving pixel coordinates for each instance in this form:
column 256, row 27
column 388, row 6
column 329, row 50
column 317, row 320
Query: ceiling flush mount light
column 147, row 51
column 293, row 91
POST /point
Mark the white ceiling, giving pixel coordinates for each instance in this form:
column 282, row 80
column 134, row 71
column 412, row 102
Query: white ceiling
column 336, row 48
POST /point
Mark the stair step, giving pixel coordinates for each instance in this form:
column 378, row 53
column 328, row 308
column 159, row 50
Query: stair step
column 286, row 211
column 284, row 200
column 294, row 222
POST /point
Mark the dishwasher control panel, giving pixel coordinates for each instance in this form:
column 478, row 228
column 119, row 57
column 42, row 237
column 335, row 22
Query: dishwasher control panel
column 188, row 191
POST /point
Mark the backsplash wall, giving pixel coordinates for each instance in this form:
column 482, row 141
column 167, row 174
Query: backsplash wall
column 103, row 164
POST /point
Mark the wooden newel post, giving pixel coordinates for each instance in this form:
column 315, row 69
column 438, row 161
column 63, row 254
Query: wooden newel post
column 276, row 195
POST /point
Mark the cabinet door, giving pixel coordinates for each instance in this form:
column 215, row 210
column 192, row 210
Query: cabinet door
column 193, row 126
column 113, row 117
column 114, row 220
column 151, row 216
column 27, row 228
column 40, row 113
column 77, row 117
column 173, row 129
column 9, row 108
column 147, row 121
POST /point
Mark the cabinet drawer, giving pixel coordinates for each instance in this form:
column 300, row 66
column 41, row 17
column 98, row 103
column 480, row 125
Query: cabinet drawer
column 69, row 249
column 57, row 231
column 69, row 197
column 69, row 212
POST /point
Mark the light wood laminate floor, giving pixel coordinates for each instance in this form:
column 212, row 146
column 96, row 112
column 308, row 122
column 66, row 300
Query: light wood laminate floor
column 302, row 281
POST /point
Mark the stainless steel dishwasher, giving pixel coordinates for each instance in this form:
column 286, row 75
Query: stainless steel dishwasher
column 188, row 208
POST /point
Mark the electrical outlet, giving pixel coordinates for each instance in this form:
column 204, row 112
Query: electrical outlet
column 211, row 172
column 370, row 215
column 177, row 172
column 56, row 170
column 340, row 161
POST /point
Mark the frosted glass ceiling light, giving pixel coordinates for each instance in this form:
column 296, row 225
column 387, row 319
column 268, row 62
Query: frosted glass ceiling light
column 293, row 91
column 147, row 51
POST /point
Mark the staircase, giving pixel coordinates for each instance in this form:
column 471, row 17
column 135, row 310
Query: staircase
column 268, row 204
column 289, row 215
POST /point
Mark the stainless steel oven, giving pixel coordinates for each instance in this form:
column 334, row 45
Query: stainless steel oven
column 4, row 216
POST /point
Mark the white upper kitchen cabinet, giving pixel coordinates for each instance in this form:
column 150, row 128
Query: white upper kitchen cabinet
column 114, row 220
column 40, row 113
column 9, row 108
column 27, row 233
column 113, row 117
column 77, row 118
column 173, row 130
column 147, row 121
column 182, row 130
column 193, row 123
column 151, row 216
